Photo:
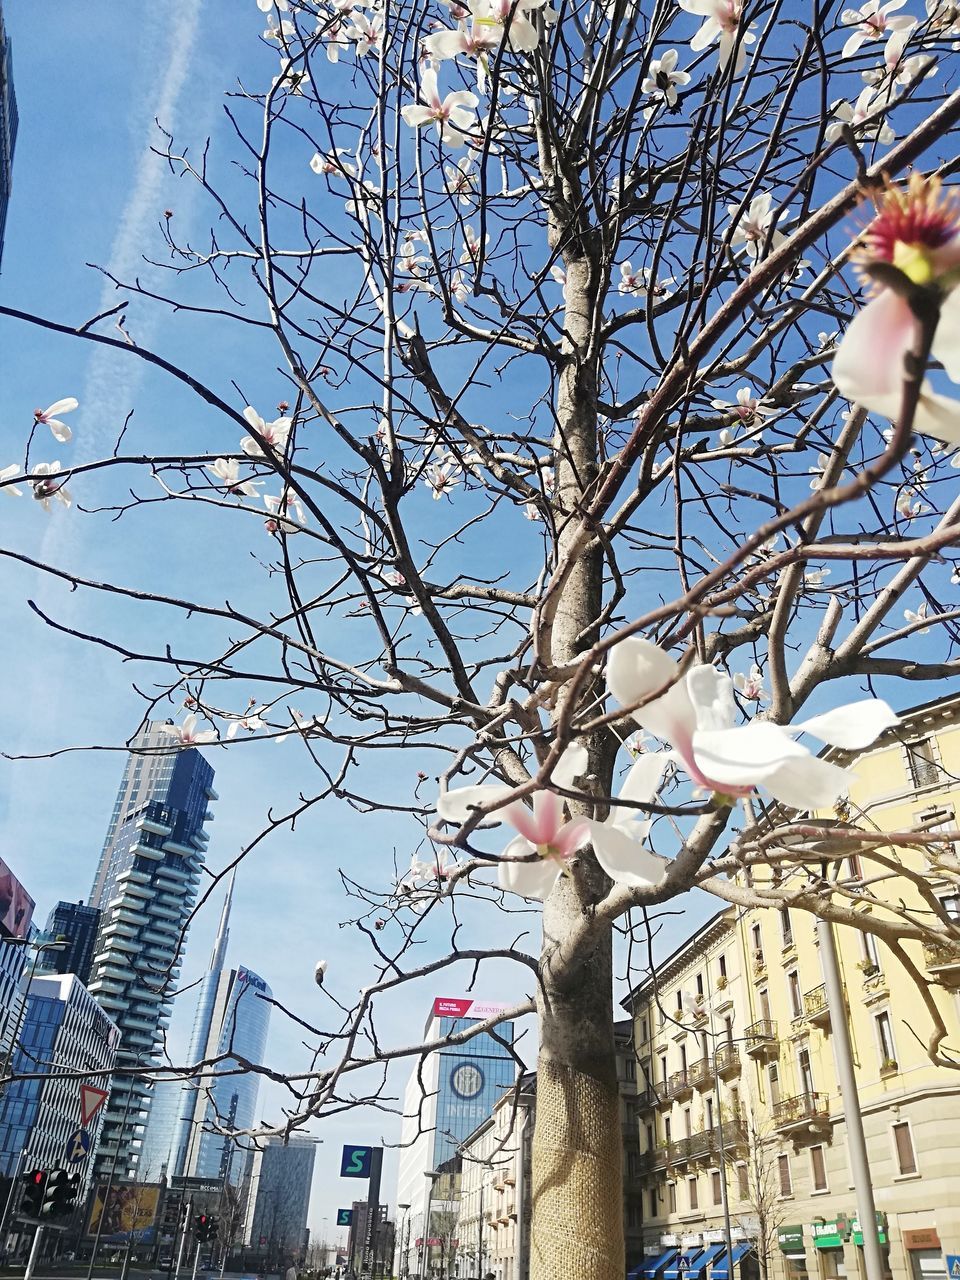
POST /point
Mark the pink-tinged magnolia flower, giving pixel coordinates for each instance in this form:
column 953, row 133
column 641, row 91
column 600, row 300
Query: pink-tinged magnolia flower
column 227, row 471
column 49, row 418
column 453, row 115
column 274, row 434
column 512, row 17
column 908, row 506
column 633, row 282
column 721, row 18
column 898, row 68
column 662, row 80
column 918, row 232
column 865, row 116
column 7, row 473
column 873, row 22
column 440, row 477
column 366, row 31
column 250, row 721
column 542, row 829
column 618, row 841
column 279, row 31
column 286, row 513
column 752, row 227
column 331, row 163
column 458, row 287
column 749, row 407
column 460, row 180
column 476, row 41
column 696, row 713
column 751, row 685
column 472, row 245
column 46, row 487
column 187, row 734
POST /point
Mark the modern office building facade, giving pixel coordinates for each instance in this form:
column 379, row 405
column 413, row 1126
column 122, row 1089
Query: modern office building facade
column 449, row 1093
column 145, row 889
column 280, row 1175
column 232, row 1018
column 78, row 925
column 8, row 127
column 63, row 1030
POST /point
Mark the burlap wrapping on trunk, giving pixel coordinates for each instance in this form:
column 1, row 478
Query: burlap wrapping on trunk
column 577, row 1230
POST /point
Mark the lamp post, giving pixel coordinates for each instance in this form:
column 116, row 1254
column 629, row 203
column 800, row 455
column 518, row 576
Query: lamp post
column 431, row 1176
column 403, row 1269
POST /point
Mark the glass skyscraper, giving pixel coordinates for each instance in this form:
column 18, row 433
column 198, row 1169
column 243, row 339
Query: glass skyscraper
column 78, row 924
column 232, row 1017
column 8, row 127
column 278, row 1199
column 145, row 889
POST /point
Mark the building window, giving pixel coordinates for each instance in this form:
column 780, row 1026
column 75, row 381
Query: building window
column 722, row 965
column 903, row 1140
column 683, row 1057
column 692, row 1192
column 743, row 1182
column 818, row 1169
column 796, row 995
column 756, row 941
column 651, row 1137
column 885, row 1045
column 716, row 1187
column 922, row 763
column 699, row 982
column 654, row 1203
column 728, row 1029
column 631, row 1068
column 672, row 1197
column 708, row 1113
column 763, row 1000
column 783, row 1171
column 805, row 1071
column 687, row 1123
column 663, row 1069
column 679, row 1001
column 786, row 927
column 644, row 1030
column 667, row 1130
column 773, row 1075
column 869, row 952
column 951, row 907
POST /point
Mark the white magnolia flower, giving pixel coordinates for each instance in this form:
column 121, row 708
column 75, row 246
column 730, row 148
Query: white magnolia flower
column 721, row 18
column 302, row 725
column 227, row 471
column 872, row 22
column 366, row 31
column 279, row 31
column 864, row 117
column 751, row 685
column 273, row 433
column 331, row 163
column 286, row 513
column 511, row 17
column 943, row 17
column 187, row 734
column 291, row 78
column 440, row 477
column 460, row 179
column 815, row 577
column 662, row 80
column 542, row 829
column 955, row 575
column 637, row 284
column 558, row 275
column 458, row 287
column 267, row 6
column 409, row 263
column 471, row 245
column 45, row 487
column 752, row 228
column 618, row 841
column 250, row 721
column 749, row 407
column 49, row 418
column 476, row 41
column 816, row 472
column 898, row 68
column 909, row 505
column 918, row 615
column 696, row 717
column 453, row 115
column 7, row 473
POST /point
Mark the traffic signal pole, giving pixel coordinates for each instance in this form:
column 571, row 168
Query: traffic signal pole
column 196, row 1261
column 185, row 1231
column 34, row 1253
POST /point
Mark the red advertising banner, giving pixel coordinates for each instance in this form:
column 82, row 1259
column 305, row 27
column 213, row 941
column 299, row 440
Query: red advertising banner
column 16, row 905
column 465, row 1007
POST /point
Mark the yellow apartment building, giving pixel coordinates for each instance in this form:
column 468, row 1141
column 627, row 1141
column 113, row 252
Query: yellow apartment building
column 741, row 1094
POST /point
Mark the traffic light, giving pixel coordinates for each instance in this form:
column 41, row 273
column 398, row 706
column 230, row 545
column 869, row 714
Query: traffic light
column 33, row 1188
column 204, row 1227
column 60, row 1193
column 174, row 1215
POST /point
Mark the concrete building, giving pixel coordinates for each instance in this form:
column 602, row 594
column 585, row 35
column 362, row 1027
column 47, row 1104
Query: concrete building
column 232, row 1017
column 145, row 888
column 751, row 1072
column 278, row 1198
column 78, row 924
column 8, row 127
column 63, row 1030
column 448, row 1093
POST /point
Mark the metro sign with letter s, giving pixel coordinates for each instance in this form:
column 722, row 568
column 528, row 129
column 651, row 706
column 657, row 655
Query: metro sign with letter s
column 355, row 1162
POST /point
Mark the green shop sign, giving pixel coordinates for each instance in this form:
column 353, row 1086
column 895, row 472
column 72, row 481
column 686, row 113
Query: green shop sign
column 790, row 1239
column 830, row 1234
column 881, row 1229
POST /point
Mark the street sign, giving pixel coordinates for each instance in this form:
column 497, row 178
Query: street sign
column 355, row 1162
column 344, row 1217
column 78, row 1146
column 91, row 1100
column 953, row 1266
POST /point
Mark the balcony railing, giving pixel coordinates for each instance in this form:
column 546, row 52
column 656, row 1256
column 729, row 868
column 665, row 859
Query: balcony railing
column 815, row 1006
column 761, row 1037
column 700, row 1073
column 943, row 963
column 678, row 1152
column 680, row 1085
column 806, row 1111
column 728, row 1061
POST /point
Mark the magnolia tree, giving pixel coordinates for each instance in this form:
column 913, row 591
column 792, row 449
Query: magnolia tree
column 618, row 445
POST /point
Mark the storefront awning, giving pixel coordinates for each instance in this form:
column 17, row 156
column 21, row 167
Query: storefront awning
column 719, row 1271
column 692, row 1266
column 681, row 1265
column 651, row 1267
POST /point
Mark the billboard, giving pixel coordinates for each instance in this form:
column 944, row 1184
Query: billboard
column 465, row 1007
column 131, row 1212
column 16, row 905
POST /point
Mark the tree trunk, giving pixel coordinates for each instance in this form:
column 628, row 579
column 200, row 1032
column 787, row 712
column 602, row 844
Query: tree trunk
column 577, row 1198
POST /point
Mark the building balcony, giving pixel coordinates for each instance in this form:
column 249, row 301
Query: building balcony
column 662, row 1094
column 728, row 1061
column 680, row 1086
column 678, row 1152
column 701, row 1074
column 652, row 1161
column 761, row 1037
column 647, row 1099
column 943, row 964
column 158, row 828
column 815, row 1007
column 702, row 1146
column 805, row 1113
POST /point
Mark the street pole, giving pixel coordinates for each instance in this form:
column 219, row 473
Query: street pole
column 430, row 1175
column 480, row 1232
column 113, row 1172
column 182, row 1243
column 196, row 1261
column 9, row 1201
column 856, row 1142
column 34, row 1253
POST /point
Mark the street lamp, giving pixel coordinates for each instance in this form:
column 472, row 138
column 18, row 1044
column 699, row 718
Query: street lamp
column 403, row 1269
column 431, row 1176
